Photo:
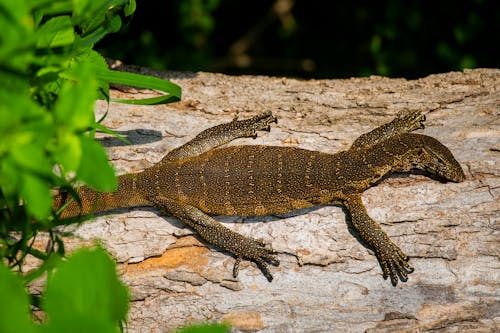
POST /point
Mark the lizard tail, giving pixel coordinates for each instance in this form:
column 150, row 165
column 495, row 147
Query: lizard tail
column 92, row 201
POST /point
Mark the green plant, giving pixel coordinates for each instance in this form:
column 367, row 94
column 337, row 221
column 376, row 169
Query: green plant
column 205, row 328
column 50, row 78
column 83, row 295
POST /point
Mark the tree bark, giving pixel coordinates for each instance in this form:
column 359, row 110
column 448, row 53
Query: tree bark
column 327, row 280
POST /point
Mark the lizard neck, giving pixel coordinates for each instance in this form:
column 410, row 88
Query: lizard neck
column 93, row 201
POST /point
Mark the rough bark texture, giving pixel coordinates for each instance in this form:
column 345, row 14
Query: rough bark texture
column 327, row 280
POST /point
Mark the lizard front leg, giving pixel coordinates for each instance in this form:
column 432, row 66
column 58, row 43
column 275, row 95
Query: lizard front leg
column 216, row 234
column 221, row 134
column 405, row 122
column 392, row 260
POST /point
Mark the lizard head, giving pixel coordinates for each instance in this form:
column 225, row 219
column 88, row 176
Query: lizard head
column 422, row 152
column 440, row 161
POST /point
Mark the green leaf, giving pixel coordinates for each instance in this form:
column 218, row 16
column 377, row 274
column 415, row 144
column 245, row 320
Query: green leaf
column 75, row 106
column 95, row 20
column 31, row 156
column 98, row 63
column 80, row 324
column 95, row 169
column 130, row 8
column 49, row 8
column 85, row 295
column 10, row 121
column 106, row 130
column 91, row 15
column 68, row 152
column 114, row 25
column 57, row 31
column 36, row 192
column 9, row 177
column 49, row 264
column 171, row 90
column 95, row 59
column 205, row 328
column 17, row 41
column 14, row 307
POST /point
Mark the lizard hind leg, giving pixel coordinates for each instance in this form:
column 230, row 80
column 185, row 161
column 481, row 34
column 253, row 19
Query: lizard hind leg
column 392, row 260
column 216, row 234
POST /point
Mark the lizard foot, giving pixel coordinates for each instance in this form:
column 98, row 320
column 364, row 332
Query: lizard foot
column 261, row 122
column 410, row 120
column 255, row 250
column 394, row 262
column 242, row 247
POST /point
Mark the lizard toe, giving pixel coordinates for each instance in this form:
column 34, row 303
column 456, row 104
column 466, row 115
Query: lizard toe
column 236, row 267
column 400, row 268
column 394, row 278
column 255, row 250
column 264, row 253
column 264, row 268
column 271, row 258
column 394, row 263
column 249, row 127
column 263, row 121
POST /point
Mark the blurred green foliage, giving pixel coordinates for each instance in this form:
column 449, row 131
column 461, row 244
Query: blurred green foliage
column 50, row 78
column 48, row 86
column 85, row 288
column 205, row 328
column 314, row 38
column 48, row 89
column 84, row 294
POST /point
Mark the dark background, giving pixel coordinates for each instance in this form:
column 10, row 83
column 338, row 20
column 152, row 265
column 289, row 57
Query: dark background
column 311, row 39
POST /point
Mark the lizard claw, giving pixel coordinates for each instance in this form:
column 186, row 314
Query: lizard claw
column 261, row 122
column 236, row 267
column 411, row 120
column 255, row 250
column 394, row 263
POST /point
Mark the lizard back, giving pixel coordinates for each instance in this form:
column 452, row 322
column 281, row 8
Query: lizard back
column 253, row 180
column 262, row 180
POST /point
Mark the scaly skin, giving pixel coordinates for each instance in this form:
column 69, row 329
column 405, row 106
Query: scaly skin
column 196, row 180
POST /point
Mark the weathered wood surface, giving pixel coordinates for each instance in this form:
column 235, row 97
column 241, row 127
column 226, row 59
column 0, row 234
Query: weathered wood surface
column 327, row 280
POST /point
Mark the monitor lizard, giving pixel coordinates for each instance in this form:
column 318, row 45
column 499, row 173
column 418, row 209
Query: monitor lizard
column 198, row 179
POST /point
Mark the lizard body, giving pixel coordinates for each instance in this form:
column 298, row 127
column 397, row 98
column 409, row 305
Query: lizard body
column 195, row 180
